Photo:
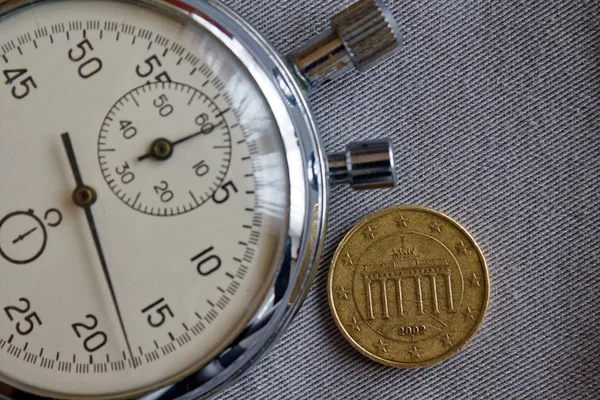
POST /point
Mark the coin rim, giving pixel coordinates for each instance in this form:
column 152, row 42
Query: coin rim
column 330, row 293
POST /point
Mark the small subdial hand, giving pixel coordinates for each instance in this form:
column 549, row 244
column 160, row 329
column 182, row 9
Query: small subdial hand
column 84, row 196
column 162, row 149
column 24, row 235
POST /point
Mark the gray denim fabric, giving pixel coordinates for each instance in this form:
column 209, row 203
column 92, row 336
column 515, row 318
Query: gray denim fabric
column 493, row 107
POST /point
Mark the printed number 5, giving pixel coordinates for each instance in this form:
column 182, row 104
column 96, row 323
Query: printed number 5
column 222, row 198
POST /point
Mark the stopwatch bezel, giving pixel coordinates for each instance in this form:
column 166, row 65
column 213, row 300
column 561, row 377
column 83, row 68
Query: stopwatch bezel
column 298, row 261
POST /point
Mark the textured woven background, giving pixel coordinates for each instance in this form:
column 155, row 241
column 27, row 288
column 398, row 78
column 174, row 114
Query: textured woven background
column 494, row 110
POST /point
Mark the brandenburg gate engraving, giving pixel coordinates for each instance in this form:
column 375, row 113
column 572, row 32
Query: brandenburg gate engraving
column 420, row 271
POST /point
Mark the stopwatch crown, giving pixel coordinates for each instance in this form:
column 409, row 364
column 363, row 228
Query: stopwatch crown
column 369, row 33
column 362, row 36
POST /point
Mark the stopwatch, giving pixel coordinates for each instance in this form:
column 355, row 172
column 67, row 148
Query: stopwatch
column 164, row 190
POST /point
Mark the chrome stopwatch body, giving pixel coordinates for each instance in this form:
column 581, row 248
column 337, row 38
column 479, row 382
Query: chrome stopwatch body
column 147, row 175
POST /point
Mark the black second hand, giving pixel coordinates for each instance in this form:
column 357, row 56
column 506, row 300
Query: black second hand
column 92, row 224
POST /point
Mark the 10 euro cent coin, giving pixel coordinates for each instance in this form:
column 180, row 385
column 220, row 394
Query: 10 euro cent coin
column 408, row 287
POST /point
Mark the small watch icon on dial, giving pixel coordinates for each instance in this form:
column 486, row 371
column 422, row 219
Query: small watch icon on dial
column 23, row 235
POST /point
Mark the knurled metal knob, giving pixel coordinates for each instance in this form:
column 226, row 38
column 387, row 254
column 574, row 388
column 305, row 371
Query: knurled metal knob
column 363, row 35
column 368, row 32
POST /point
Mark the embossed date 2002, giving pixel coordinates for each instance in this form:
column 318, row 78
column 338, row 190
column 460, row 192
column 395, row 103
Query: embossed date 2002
column 412, row 330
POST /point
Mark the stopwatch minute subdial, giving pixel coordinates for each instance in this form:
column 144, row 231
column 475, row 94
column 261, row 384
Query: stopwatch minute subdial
column 165, row 147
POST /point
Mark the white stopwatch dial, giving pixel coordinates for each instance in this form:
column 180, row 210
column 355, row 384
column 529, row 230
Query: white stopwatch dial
column 144, row 198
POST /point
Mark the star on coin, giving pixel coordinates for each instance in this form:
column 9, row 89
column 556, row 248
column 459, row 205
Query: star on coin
column 469, row 314
column 348, row 260
column 371, row 233
column 381, row 346
column 446, row 341
column 414, row 352
column 436, row 227
column 462, row 248
column 355, row 324
column 342, row 293
column 402, row 221
column 475, row 281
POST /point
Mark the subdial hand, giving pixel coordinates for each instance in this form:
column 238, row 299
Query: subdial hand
column 162, row 149
column 24, row 235
column 84, row 196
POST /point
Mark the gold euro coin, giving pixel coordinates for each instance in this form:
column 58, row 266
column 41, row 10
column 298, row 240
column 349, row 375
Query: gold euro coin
column 408, row 287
